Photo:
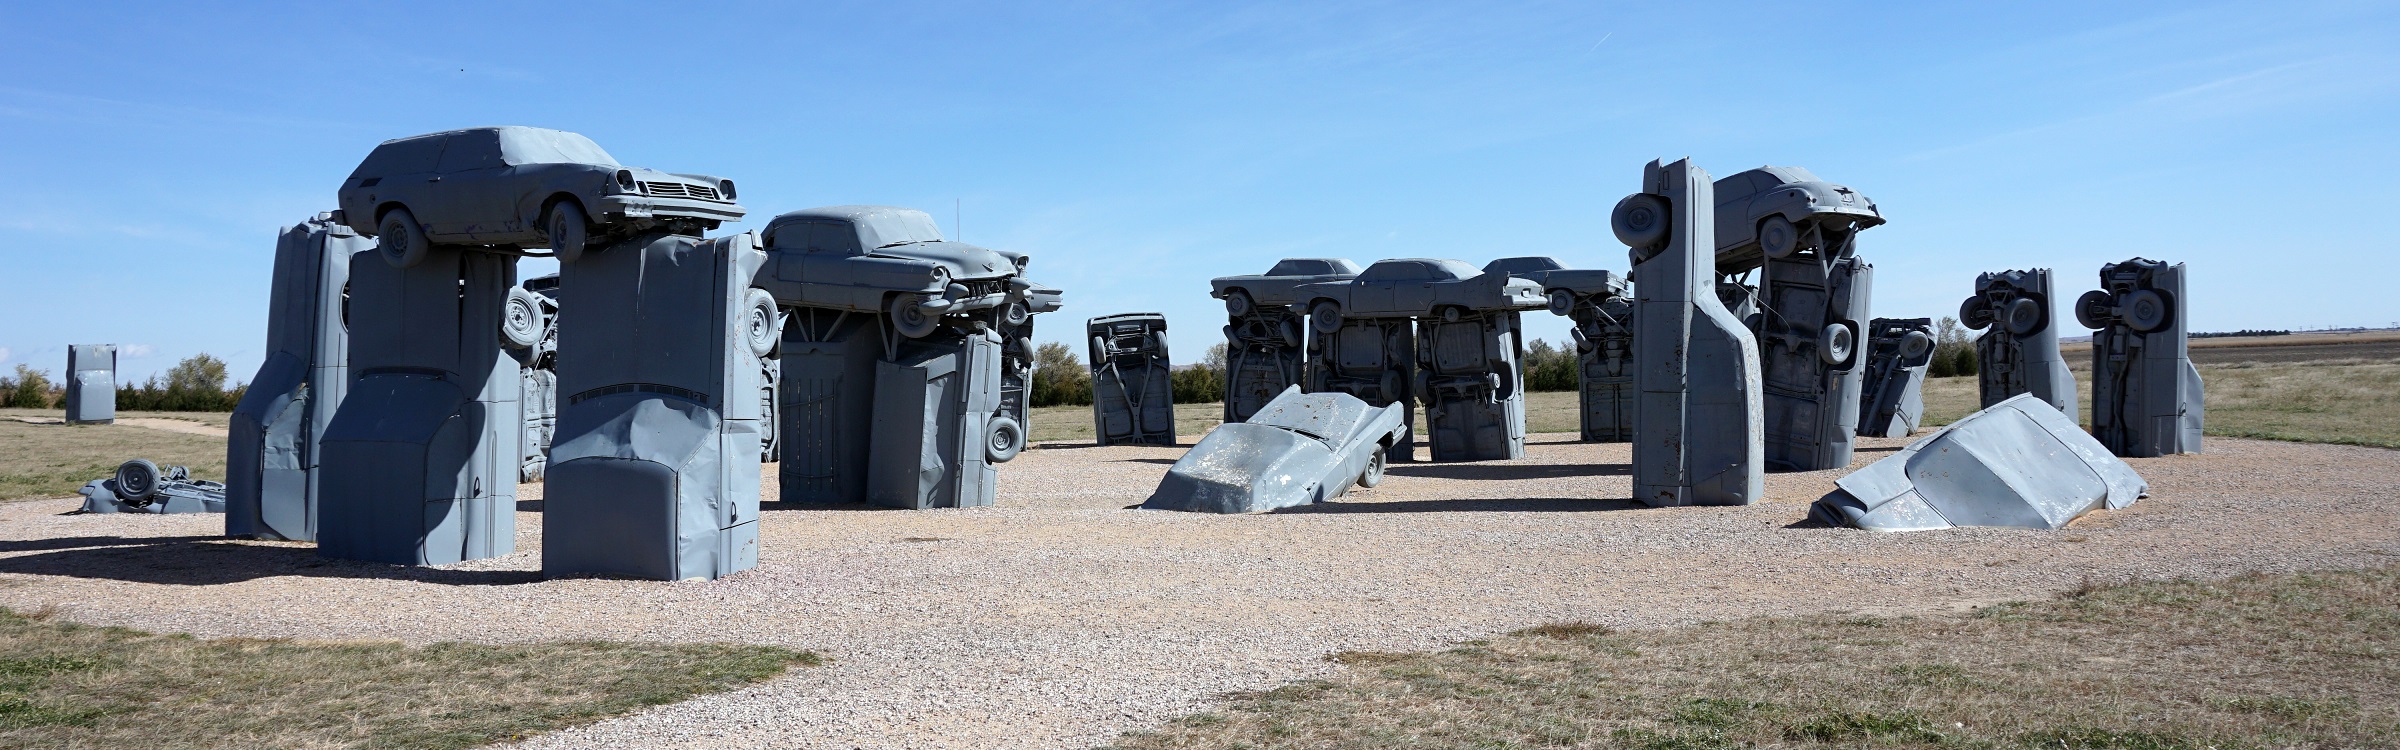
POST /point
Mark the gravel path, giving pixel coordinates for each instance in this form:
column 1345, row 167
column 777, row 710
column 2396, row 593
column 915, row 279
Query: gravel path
column 1059, row 619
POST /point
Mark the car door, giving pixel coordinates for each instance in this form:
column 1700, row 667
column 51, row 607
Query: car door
column 406, row 172
column 469, row 185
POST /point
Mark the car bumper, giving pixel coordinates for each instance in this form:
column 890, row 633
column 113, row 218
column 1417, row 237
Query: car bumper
column 645, row 207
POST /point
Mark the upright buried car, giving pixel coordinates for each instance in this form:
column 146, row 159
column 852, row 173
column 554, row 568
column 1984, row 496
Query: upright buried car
column 1301, row 448
column 1413, row 288
column 511, row 187
column 893, row 260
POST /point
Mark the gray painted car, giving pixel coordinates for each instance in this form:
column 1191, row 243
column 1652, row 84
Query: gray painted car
column 881, row 259
column 1563, row 287
column 1414, row 288
column 1279, row 285
column 1774, row 211
column 2018, row 463
column 1302, row 448
column 141, row 486
column 512, row 187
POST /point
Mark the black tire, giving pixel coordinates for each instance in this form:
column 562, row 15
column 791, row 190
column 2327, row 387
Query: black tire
column 1777, row 238
column 2092, row 309
column 1290, row 329
column 908, row 319
column 1325, row 316
column 1238, row 303
column 1003, row 438
column 2026, row 315
column 1373, row 475
column 1974, row 314
column 570, row 231
column 1562, row 302
column 1452, row 313
column 137, row 481
column 1836, row 344
column 401, row 240
column 2148, row 310
column 521, row 319
column 1641, row 221
column 761, row 322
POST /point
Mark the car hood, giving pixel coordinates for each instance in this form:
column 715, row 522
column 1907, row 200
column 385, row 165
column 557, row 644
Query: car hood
column 1244, row 468
column 964, row 261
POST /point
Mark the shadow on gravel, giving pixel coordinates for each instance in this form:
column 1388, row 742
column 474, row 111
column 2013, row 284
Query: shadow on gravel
column 212, row 561
column 776, row 505
column 1501, row 471
column 79, row 542
column 1498, row 505
column 1159, row 461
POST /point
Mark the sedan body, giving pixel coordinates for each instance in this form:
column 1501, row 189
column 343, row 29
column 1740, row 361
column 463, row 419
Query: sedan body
column 1746, row 199
column 1300, row 448
column 1419, row 287
column 497, row 186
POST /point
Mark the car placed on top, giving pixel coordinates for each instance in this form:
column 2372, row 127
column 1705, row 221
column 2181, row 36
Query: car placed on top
column 1416, row 287
column 1563, row 286
column 881, row 259
column 1243, row 294
column 1772, row 212
column 514, row 187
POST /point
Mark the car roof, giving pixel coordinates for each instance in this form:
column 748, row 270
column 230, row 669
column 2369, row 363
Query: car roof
column 1526, row 264
column 1455, row 269
column 878, row 226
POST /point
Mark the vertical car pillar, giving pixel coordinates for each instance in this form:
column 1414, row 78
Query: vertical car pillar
column 1471, row 379
column 2019, row 354
column 1813, row 312
column 91, row 384
column 1599, row 304
column 420, row 461
column 271, row 451
column 935, row 444
column 1133, row 387
column 1373, row 359
column 539, row 365
column 828, row 409
column 654, row 473
column 1698, row 437
column 2147, row 398
column 1891, row 401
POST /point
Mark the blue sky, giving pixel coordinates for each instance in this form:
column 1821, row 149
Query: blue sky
column 1136, row 150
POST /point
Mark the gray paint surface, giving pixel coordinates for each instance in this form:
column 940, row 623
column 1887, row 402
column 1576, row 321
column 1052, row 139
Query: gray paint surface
column 2016, row 463
column 271, row 451
column 1373, row 360
column 539, row 365
column 1133, row 390
column 1471, row 381
column 2019, row 351
column 1266, row 329
column 91, row 383
column 498, row 186
column 1899, row 351
column 1755, row 208
column 1699, row 429
column 1600, row 304
column 140, row 486
column 904, row 357
column 656, row 466
column 1809, row 311
column 2147, row 398
column 1301, row 448
column 419, row 464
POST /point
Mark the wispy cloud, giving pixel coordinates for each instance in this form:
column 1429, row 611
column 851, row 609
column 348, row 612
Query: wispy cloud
column 137, row 350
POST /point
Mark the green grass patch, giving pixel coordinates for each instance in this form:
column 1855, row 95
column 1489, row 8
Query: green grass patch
column 2308, row 660
column 64, row 685
column 52, row 460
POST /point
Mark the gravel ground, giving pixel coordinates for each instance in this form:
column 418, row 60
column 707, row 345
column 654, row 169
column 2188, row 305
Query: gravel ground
column 1059, row 618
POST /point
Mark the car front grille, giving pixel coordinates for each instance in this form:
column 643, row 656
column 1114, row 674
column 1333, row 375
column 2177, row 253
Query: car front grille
column 679, row 190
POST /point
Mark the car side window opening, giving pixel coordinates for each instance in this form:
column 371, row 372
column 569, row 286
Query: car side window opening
column 412, row 156
column 1394, row 271
column 832, row 237
column 474, row 149
column 519, row 146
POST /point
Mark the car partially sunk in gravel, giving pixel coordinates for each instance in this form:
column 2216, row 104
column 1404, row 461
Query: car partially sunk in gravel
column 1300, row 448
column 513, row 187
column 881, row 259
column 1416, row 287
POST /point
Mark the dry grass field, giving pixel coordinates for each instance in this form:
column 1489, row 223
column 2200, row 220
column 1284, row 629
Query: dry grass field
column 2306, row 660
column 52, row 460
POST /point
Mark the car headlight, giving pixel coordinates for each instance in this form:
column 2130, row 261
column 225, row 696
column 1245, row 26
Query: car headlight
column 725, row 189
column 941, row 276
column 626, row 182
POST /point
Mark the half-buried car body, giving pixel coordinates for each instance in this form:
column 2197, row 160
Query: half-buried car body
column 512, row 187
column 1301, row 448
column 2018, row 463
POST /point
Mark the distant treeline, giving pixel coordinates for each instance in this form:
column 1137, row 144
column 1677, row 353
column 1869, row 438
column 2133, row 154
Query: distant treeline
column 195, row 384
column 2243, row 332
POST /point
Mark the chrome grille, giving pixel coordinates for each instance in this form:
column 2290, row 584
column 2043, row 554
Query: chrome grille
column 680, row 190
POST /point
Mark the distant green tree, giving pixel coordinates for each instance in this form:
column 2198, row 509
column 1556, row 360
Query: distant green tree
column 1203, row 382
column 30, row 389
column 1953, row 347
column 1059, row 377
column 195, row 384
column 1549, row 368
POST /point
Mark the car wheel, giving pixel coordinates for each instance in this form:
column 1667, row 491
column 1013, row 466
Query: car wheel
column 1835, row 344
column 762, row 323
column 1640, row 221
column 909, row 319
column 1006, row 438
column 1325, row 316
column 521, row 321
column 2147, row 310
column 570, row 231
column 1562, row 302
column 1451, row 313
column 2092, row 309
column 137, row 481
column 1015, row 313
column 1974, row 313
column 2025, row 316
column 1291, row 333
column 1238, row 303
column 1777, row 238
column 1374, row 472
column 401, row 239
column 1915, row 345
